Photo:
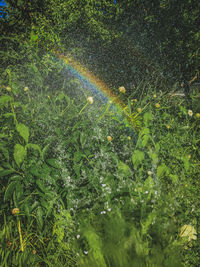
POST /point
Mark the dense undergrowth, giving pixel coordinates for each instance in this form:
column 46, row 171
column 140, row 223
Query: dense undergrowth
column 79, row 189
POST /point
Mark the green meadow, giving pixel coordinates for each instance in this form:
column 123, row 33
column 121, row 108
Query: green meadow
column 82, row 185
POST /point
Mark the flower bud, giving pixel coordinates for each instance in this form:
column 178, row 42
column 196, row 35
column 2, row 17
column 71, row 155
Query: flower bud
column 15, row 211
column 90, row 100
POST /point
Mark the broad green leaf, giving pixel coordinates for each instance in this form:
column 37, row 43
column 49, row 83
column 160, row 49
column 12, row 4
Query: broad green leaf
column 19, row 154
column 174, row 178
column 149, row 183
column 83, row 139
column 39, row 217
column 147, row 117
column 41, row 185
column 54, row 163
column 4, row 151
column 4, row 100
column 23, row 131
column 137, row 157
column 35, row 147
column 45, row 150
column 145, row 139
column 9, row 190
column 7, row 115
column 162, row 170
column 77, row 156
column 5, row 172
column 124, row 167
column 19, row 190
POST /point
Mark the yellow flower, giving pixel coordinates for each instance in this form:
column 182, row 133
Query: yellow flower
column 139, row 110
column 157, row 105
column 90, row 100
column 149, row 173
column 197, row 115
column 154, row 95
column 122, row 89
column 8, row 89
column 48, row 96
column 190, row 113
column 109, row 138
column 188, row 231
column 189, row 156
column 128, row 137
column 26, row 89
column 168, row 126
column 34, row 251
column 15, row 211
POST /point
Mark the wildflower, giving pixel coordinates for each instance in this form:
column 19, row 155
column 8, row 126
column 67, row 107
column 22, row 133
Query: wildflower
column 197, row 115
column 109, row 209
column 133, row 100
column 154, row 95
column 149, row 173
column 110, row 102
column 103, row 212
column 139, row 110
column 78, row 236
column 26, row 89
column 122, row 89
column 109, row 138
column 15, row 211
column 104, row 185
column 189, row 156
column 48, row 96
column 85, row 252
column 168, row 126
column 90, row 100
column 190, row 113
column 157, row 105
column 186, row 185
column 34, row 251
column 129, row 138
column 188, row 231
column 8, row 88
column 146, row 192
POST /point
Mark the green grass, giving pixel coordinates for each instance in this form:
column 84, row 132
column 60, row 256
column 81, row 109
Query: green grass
column 84, row 200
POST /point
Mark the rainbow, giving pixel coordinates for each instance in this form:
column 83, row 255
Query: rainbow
column 97, row 87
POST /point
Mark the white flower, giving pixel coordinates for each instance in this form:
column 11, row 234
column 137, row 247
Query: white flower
column 90, row 99
column 109, row 209
column 190, row 113
column 78, row 236
column 146, row 192
column 103, row 212
column 149, row 173
column 85, row 252
column 104, row 185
